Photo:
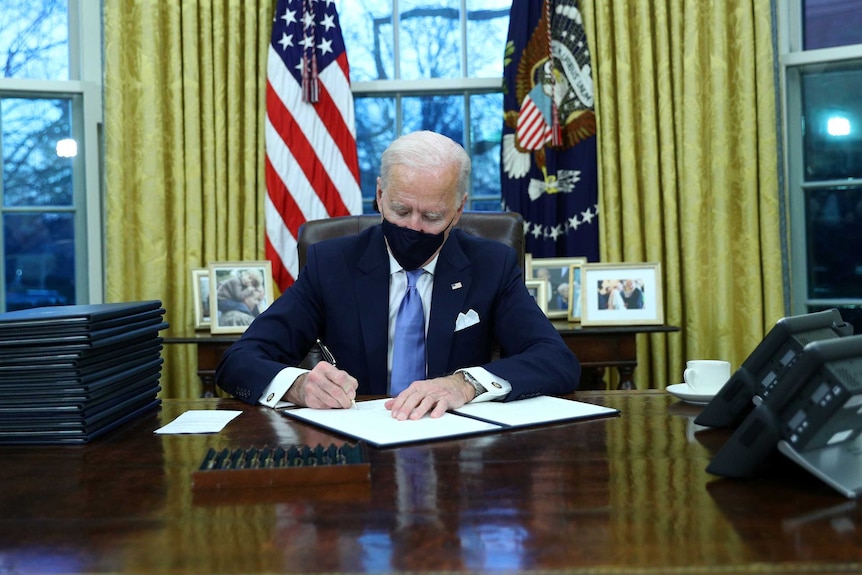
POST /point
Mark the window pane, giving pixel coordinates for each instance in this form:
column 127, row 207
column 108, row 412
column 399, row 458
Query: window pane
column 34, row 133
column 834, row 234
column 34, row 39
column 430, row 39
column 830, row 23
column 366, row 26
column 832, row 113
column 487, row 28
column 375, row 130
column 485, row 129
column 40, row 259
column 441, row 114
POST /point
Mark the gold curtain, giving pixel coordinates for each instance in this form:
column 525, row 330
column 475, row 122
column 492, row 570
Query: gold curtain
column 688, row 168
column 184, row 115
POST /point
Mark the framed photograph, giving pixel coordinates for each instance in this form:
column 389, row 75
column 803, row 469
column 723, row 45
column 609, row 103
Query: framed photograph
column 239, row 292
column 538, row 288
column 556, row 271
column 621, row 294
column 574, row 315
column 201, row 297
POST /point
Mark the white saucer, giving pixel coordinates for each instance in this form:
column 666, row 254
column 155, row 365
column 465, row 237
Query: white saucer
column 688, row 395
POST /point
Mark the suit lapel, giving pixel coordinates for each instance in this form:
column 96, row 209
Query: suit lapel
column 372, row 292
column 452, row 279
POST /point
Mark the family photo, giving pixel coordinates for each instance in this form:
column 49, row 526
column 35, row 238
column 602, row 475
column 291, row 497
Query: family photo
column 240, row 292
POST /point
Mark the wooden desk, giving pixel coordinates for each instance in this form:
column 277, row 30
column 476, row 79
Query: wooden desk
column 597, row 348
column 622, row 495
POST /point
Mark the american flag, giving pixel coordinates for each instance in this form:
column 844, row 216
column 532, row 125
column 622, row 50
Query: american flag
column 312, row 171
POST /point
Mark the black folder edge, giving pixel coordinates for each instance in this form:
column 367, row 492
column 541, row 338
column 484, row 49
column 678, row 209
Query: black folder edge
column 359, row 438
column 81, row 363
column 77, row 438
column 500, row 427
column 27, row 329
column 85, row 389
column 80, row 407
column 85, row 346
column 29, row 379
column 74, row 313
column 93, row 338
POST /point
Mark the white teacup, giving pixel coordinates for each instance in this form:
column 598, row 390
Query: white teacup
column 706, row 376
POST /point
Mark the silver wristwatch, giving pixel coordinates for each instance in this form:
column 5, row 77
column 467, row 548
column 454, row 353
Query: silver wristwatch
column 480, row 389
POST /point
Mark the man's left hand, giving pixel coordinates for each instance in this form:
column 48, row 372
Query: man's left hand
column 431, row 396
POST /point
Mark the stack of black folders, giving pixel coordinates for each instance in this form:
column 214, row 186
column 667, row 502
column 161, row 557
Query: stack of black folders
column 69, row 374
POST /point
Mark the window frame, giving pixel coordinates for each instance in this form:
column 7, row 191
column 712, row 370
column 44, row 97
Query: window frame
column 792, row 62
column 84, row 88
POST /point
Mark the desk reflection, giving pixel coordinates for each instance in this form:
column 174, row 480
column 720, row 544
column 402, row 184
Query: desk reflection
column 611, row 495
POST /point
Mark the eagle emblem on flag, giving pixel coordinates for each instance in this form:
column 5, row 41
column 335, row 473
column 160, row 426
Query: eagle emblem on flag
column 548, row 157
column 555, row 88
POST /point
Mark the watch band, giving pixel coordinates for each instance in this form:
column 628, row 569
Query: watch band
column 480, row 389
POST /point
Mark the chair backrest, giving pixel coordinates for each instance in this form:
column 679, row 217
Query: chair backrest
column 505, row 227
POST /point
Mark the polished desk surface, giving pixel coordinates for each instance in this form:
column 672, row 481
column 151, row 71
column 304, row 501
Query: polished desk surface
column 625, row 494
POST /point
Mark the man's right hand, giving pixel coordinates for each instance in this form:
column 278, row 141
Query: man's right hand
column 324, row 387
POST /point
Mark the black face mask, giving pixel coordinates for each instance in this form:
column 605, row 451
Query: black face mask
column 410, row 248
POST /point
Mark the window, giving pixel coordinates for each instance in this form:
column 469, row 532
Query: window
column 416, row 65
column 46, row 139
column 821, row 56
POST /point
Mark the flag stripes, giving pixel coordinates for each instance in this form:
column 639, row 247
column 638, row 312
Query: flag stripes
column 312, row 170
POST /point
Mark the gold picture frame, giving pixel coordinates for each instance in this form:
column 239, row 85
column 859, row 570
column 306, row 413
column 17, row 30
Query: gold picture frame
column 201, row 297
column 621, row 294
column 239, row 292
column 556, row 271
column 575, row 303
column 538, row 288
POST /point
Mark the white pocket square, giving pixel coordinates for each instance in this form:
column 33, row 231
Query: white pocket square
column 465, row 320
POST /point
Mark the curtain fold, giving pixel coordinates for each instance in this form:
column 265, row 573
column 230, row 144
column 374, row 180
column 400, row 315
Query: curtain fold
column 184, row 113
column 688, row 168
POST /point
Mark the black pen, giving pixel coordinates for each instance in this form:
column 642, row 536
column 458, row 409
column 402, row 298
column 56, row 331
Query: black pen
column 327, row 355
column 330, row 359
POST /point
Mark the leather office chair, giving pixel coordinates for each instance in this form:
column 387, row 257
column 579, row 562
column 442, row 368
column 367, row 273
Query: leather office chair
column 506, row 227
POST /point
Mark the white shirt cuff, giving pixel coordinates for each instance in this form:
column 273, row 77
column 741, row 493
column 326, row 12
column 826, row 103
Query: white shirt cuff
column 496, row 387
column 279, row 385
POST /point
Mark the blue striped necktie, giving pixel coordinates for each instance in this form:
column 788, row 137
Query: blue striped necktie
column 408, row 353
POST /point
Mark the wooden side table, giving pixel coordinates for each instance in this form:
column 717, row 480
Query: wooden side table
column 597, row 348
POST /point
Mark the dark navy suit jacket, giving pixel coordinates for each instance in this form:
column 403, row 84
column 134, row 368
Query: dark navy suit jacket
column 342, row 297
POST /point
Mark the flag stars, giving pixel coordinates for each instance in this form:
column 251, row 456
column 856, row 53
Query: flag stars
column 289, row 17
column 556, row 232
column 588, row 216
column 308, row 20
column 328, row 22
column 307, row 42
column 286, row 41
column 325, row 46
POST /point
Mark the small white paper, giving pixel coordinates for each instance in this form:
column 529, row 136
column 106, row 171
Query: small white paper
column 199, row 421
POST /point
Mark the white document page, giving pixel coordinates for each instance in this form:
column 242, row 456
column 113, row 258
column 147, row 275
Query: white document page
column 372, row 422
column 199, row 421
column 533, row 411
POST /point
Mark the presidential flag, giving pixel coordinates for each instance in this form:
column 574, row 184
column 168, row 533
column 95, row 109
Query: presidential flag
column 312, row 171
column 549, row 172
